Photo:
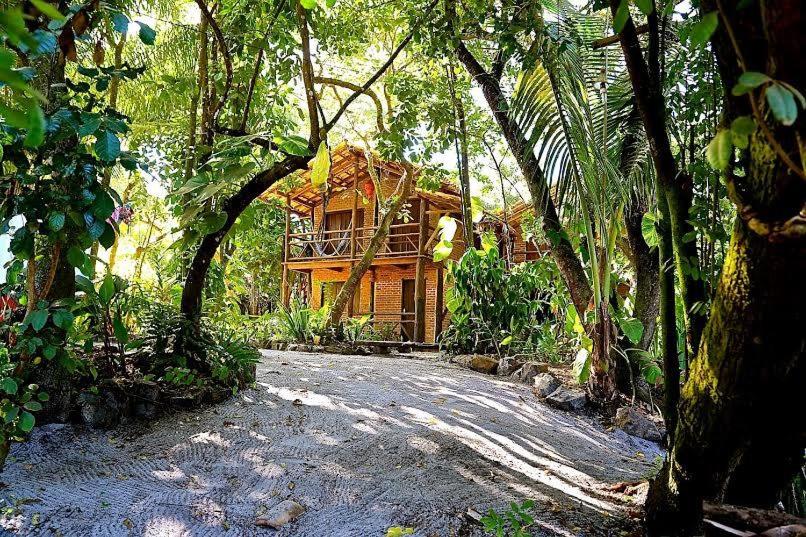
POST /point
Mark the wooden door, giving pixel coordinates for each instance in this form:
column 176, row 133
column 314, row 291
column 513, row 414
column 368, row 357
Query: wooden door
column 407, row 306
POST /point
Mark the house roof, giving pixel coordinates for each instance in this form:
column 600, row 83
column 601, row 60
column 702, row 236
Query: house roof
column 347, row 160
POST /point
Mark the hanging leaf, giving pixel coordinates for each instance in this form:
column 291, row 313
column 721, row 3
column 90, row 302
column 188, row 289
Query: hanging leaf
column 782, row 103
column 582, row 366
column 488, row 241
column 308, row 4
column 107, row 289
column 633, row 329
column 121, row 333
column 76, row 257
column 646, row 6
column 648, row 229
column 146, row 33
column 752, row 79
column 476, row 209
column 320, row 167
column 36, row 127
column 720, row 150
column 27, row 421
column 703, row 29
column 120, row 23
column 107, row 146
column 48, row 10
column 37, row 319
column 442, row 250
column 622, row 14
column 447, row 227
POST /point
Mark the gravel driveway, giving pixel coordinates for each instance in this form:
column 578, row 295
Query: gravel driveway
column 364, row 443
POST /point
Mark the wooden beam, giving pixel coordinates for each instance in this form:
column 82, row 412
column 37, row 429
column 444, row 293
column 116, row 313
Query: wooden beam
column 285, row 294
column 613, row 39
column 419, row 275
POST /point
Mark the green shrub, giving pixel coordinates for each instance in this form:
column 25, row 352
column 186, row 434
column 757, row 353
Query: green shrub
column 499, row 310
column 303, row 325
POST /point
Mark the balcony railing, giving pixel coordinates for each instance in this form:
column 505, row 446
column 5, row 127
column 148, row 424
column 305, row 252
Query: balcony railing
column 339, row 244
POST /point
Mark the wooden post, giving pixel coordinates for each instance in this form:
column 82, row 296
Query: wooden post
column 439, row 306
column 419, row 277
column 351, row 303
column 285, row 294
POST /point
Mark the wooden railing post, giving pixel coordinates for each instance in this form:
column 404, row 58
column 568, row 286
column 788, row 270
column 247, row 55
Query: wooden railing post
column 419, row 277
column 285, row 291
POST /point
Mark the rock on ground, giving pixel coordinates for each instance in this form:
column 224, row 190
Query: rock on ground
column 566, row 399
column 373, row 442
column 530, row 370
column 633, row 422
column 477, row 362
column 545, row 384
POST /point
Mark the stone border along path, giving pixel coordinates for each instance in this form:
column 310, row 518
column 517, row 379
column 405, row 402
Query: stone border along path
column 364, row 443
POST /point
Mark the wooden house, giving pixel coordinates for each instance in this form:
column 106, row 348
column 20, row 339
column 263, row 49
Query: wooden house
column 327, row 231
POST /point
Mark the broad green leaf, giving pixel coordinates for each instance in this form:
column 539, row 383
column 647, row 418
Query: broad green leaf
column 720, row 150
column 293, row 145
column 103, row 206
column 107, row 146
column 506, row 341
column 107, row 238
column 38, row 319
column 146, row 33
column 582, row 366
column 33, row 406
column 488, row 241
column 622, row 14
column 442, row 250
column 633, row 329
column 107, row 289
column 56, row 221
column 76, row 257
column 782, row 103
column 36, row 127
column 212, row 222
column 120, row 22
column 703, row 29
column 648, row 229
column 752, row 79
column 320, row 167
column 308, row 4
column 476, row 209
column 743, row 125
column 49, row 10
column 398, row 531
column 121, row 333
column 63, row 319
column 646, row 6
column 9, row 385
column 27, row 421
column 49, row 352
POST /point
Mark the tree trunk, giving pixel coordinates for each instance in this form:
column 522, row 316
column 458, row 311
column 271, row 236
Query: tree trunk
column 674, row 185
column 668, row 314
column 463, row 161
column 357, row 272
column 740, row 413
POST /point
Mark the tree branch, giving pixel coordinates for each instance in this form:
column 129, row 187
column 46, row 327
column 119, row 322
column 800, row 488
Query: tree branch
column 382, row 69
column 355, row 87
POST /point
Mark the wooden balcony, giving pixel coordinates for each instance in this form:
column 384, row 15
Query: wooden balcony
column 350, row 245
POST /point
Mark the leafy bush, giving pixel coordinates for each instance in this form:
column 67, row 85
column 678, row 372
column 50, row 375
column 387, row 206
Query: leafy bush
column 168, row 343
column 495, row 310
column 303, row 325
column 514, row 522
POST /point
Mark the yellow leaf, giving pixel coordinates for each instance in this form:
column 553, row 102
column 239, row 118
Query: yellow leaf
column 397, row 531
column 321, row 166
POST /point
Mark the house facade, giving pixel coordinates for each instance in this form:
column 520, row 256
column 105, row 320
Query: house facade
column 329, row 229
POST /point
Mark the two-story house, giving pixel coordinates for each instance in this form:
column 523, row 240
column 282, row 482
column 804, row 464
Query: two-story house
column 327, row 231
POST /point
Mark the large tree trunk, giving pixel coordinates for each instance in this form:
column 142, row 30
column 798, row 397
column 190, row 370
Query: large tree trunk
column 357, row 272
column 741, row 433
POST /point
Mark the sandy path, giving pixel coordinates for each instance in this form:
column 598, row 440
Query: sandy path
column 371, row 442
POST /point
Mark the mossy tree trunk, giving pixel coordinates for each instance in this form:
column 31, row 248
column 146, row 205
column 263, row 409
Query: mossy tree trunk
column 740, row 433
